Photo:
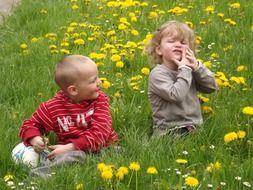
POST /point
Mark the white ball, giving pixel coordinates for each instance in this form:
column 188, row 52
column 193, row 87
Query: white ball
column 25, row 155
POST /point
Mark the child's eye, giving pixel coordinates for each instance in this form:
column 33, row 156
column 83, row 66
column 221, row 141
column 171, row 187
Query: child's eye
column 95, row 80
column 170, row 41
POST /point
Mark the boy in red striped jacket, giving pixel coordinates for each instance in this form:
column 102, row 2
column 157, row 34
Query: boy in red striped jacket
column 78, row 114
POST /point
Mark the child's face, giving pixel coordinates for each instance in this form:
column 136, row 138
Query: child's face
column 171, row 47
column 88, row 83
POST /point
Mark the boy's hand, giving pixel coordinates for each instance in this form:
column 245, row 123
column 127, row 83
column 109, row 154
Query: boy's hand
column 183, row 61
column 193, row 63
column 60, row 149
column 37, row 143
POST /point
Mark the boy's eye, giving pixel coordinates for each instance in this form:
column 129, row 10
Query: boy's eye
column 95, row 80
column 170, row 41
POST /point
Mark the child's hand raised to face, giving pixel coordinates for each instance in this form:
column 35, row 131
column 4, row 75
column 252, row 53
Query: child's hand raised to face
column 193, row 63
column 188, row 59
column 184, row 60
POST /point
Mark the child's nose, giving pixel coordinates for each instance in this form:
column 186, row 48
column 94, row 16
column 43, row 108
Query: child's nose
column 98, row 82
column 178, row 43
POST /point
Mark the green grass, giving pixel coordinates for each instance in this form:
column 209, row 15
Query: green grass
column 27, row 79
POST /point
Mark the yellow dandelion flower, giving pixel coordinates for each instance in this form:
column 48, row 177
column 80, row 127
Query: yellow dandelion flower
column 74, row 7
column 121, row 172
column 214, row 166
column 230, row 21
column 181, row 161
column 153, row 14
column 124, row 20
column 70, row 29
column 210, row 9
column 64, row 44
column 136, row 78
column 23, row 46
column 215, row 55
column 178, row 10
column 198, row 39
column 8, row 177
column 107, row 174
column 101, row 166
column 145, row 71
column 79, row 186
column 119, row 175
column 34, row 40
column 207, row 109
column 134, row 32
column 144, row 4
column 208, row 64
column 241, row 68
column 188, row 23
column 116, row 58
column 203, row 98
column 191, row 181
column 105, row 84
column 148, row 38
column 221, row 15
column 238, row 80
column 235, row 5
column 111, row 33
column 135, row 166
column 43, row 11
column 64, row 51
column 133, row 19
column 124, row 170
column 122, row 26
column 119, row 64
column 152, row 170
column 54, row 51
column 51, row 35
column 248, row 110
column 79, row 41
column 52, row 46
column 241, row 134
column 230, row 137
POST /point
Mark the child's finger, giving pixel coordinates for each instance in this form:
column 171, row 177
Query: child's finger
column 52, row 147
column 51, row 156
column 183, row 53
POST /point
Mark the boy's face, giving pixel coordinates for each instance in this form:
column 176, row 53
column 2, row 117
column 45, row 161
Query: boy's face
column 88, row 83
column 171, row 47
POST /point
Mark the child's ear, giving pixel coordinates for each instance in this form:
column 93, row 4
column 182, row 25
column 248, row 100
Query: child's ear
column 158, row 50
column 72, row 90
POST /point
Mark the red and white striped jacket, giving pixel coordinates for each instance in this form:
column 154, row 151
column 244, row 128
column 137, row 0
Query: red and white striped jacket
column 88, row 124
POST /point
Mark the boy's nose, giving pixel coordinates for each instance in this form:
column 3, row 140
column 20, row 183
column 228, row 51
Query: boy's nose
column 98, row 82
column 178, row 43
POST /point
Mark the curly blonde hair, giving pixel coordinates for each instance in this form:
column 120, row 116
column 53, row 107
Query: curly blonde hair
column 170, row 28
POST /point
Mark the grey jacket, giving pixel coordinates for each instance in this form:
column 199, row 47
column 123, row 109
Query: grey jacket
column 173, row 95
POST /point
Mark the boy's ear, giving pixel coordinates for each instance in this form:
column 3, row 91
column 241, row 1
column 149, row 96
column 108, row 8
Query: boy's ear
column 158, row 50
column 72, row 90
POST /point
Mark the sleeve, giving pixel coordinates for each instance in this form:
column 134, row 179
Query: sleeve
column 169, row 88
column 204, row 79
column 39, row 124
column 100, row 133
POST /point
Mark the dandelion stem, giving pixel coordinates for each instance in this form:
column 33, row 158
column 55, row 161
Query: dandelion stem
column 136, row 181
column 128, row 185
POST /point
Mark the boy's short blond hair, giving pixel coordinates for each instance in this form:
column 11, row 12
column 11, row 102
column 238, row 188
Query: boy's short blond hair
column 67, row 71
column 169, row 28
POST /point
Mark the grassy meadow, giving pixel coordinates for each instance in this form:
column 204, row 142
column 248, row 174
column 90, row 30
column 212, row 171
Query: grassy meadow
column 113, row 33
